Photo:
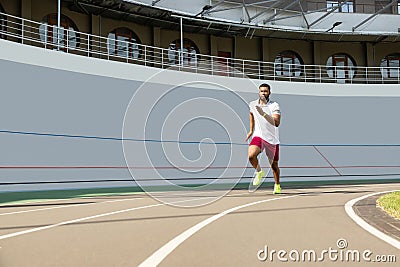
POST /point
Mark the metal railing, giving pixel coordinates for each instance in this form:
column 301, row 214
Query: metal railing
column 37, row 34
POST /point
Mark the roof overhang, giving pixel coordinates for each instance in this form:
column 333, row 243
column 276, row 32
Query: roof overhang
column 268, row 18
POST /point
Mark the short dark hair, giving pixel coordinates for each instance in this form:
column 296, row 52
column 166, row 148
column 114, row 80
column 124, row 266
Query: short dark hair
column 265, row 85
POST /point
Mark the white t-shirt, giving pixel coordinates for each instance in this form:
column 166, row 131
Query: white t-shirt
column 262, row 128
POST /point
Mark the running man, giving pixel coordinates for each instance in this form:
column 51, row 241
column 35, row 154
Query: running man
column 265, row 117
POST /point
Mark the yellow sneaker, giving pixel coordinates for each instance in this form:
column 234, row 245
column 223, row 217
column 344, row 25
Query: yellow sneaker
column 277, row 189
column 258, row 178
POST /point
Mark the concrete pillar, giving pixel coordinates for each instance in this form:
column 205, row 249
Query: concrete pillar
column 265, row 55
column 157, row 36
column 317, row 53
column 316, row 57
column 26, row 9
column 235, row 47
column 95, row 22
column 95, row 27
column 160, row 56
column 267, row 68
column 370, row 59
column 213, row 46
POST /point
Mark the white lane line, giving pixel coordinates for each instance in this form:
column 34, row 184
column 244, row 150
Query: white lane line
column 77, row 205
column 350, row 212
column 73, row 221
column 84, row 219
column 165, row 250
column 67, row 206
column 45, row 201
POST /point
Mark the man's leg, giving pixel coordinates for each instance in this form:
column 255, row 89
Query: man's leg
column 276, row 171
column 253, row 152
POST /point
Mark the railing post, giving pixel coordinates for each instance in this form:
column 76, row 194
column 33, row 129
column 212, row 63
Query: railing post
column 88, row 45
column 212, row 65
column 108, row 53
column 67, row 41
column 162, row 58
column 23, row 30
column 320, row 74
column 58, row 38
column 127, row 52
column 335, row 74
column 179, row 59
column 45, row 37
column 351, row 76
column 145, row 55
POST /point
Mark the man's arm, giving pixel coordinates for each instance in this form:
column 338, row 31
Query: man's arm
column 274, row 119
column 250, row 133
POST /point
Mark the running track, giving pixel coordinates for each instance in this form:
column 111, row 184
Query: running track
column 136, row 229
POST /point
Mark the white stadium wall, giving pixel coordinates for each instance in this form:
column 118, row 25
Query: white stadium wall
column 62, row 125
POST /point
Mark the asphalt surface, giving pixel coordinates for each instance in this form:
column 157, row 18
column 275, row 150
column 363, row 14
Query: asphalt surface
column 240, row 229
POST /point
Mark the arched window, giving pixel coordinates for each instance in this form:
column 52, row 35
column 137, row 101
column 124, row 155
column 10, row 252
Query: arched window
column 288, row 63
column 390, row 66
column 340, row 67
column 66, row 38
column 190, row 52
column 123, row 42
column 3, row 23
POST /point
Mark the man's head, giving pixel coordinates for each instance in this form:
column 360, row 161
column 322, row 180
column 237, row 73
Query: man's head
column 264, row 91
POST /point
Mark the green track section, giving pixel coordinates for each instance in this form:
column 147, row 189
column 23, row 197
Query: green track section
column 48, row 195
column 390, row 203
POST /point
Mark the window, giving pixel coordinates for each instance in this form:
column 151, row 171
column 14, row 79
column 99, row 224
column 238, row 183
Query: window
column 390, row 66
column 331, row 5
column 67, row 37
column 398, row 7
column 288, row 63
column 347, row 7
column 190, row 53
column 340, row 67
column 123, row 42
column 3, row 22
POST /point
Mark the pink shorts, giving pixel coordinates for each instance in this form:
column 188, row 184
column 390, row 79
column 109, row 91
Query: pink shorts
column 272, row 151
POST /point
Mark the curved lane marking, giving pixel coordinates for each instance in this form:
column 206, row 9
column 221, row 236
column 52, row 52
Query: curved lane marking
column 350, row 212
column 86, row 218
column 73, row 221
column 67, row 206
column 165, row 250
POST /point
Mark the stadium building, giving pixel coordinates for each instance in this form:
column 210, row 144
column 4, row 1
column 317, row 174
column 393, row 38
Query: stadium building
column 76, row 74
